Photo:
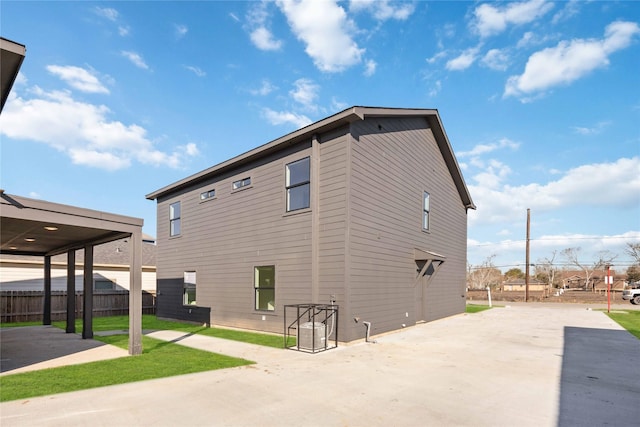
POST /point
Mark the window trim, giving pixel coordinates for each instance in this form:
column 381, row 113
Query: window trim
column 288, row 186
column 426, row 211
column 173, row 220
column 241, row 184
column 184, row 289
column 208, row 195
column 256, row 288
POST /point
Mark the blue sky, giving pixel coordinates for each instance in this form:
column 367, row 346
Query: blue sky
column 540, row 100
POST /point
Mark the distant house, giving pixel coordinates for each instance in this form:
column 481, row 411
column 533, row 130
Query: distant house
column 574, row 281
column 520, row 285
column 110, row 269
column 366, row 209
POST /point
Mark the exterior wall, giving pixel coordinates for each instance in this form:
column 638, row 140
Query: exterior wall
column 355, row 246
column 30, row 277
column 334, row 168
column 224, row 238
column 393, row 162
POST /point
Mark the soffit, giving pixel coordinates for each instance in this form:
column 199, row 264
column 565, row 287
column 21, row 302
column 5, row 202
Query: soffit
column 23, row 222
column 11, row 57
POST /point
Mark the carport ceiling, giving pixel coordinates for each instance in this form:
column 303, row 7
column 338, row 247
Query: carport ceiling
column 35, row 227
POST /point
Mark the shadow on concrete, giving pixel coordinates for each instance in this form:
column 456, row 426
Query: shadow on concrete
column 41, row 347
column 600, row 380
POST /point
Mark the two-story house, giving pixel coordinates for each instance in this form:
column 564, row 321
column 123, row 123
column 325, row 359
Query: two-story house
column 366, row 208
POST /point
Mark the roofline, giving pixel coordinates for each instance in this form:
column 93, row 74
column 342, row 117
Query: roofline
column 341, row 118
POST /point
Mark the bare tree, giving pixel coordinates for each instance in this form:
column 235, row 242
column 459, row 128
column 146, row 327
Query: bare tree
column 633, row 250
column 572, row 257
column 486, row 274
column 546, row 270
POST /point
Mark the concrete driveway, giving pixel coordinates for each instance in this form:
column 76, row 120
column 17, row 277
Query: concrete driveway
column 529, row 365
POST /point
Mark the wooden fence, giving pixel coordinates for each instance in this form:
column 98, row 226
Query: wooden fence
column 28, row 306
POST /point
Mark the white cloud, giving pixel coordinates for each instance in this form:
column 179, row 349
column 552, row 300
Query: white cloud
column 435, row 89
column 266, row 87
column 437, row 56
column 616, row 184
column 35, row 195
column 285, row 117
column 107, row 12
column 570, row 60
column 264, row 40
column 180, row 30
column 496, row 59
column 370, row 68
column 594, row 130
column 123, row 30
column 258, row 23
column 383, row 9
column 490, row 20
column 487, row 148
column 463, row 61
column 136, row 59
column 337, row 105
column 196, row 70
column 570, row 9
column 84, row 132
column 305, row 92
column 78, row 78
column 326, row 30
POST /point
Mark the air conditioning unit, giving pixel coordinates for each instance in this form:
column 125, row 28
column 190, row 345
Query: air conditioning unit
column 312, row 336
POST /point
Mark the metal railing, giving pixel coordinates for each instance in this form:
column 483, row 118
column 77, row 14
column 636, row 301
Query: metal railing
column 313, row 326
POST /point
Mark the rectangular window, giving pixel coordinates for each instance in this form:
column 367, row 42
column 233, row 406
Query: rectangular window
column 244, row 182
column 298, row 184
column 265, row 287
column 425, row 211
column 103, row 285
column 174, row 219
column 208, row 195
column 189, row 288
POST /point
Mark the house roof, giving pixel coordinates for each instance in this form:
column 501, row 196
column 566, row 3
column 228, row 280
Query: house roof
column 11, row 57
column 342, row 118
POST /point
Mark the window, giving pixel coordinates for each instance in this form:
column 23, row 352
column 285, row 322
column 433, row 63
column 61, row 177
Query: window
column 298, row 185
column 103, row 285
column 208, row 195
column 189, row 288
column 244, row 182
column 265, row 287
column 174, row 219
column 425, row 211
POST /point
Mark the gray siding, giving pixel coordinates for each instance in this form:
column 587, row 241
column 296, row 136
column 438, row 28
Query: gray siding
column 394, row 162
column 356, row 243
column 223, row 239
column 334, row 167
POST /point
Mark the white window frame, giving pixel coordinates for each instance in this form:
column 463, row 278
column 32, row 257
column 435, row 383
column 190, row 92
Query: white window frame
column 241, row 183
column 188, row 284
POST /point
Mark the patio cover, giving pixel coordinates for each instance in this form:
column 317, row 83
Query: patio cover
column 40, row 228
column 11, row 57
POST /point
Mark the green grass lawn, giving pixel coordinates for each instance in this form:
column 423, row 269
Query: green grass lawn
column 630, row 320
column 159, row 359
column 476, row 308
column 150, row 322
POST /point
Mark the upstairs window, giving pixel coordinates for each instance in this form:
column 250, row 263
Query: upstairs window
column 241, row 183
column 206, row 195
column 298, row 184
column 174, row 219
column 425, row 211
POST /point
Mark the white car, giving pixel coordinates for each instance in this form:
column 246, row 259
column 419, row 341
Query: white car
column 632, row 294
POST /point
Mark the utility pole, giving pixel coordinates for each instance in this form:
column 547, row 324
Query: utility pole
column 526, row 269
